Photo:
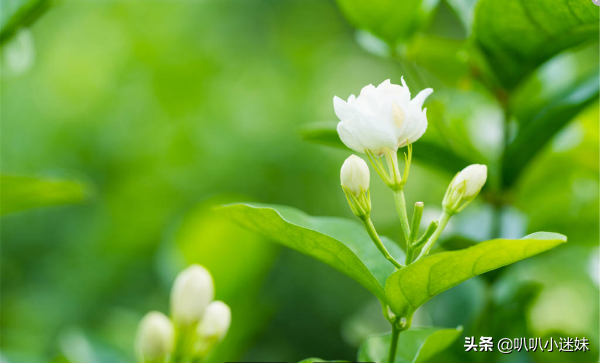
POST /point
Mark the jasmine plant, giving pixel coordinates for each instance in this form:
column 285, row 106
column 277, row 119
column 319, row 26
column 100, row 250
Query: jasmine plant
column 377, row 123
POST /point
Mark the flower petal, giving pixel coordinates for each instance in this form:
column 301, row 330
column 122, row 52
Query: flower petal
column 348, row 139
column 351, row 99
column 420, row 129
column 404, row 85
column 419, row 99
column 342, row 109
column 360, row 131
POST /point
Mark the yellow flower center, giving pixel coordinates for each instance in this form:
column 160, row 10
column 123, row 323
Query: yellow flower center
column 398, row 114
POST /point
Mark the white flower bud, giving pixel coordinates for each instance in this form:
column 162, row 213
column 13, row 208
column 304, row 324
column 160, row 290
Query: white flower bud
column 473, row 177
column 464, row 187
column 354, row 178
column 355, row 175
column 382, row 117
column 192, row 291
column 216, row 321
column 155, row 337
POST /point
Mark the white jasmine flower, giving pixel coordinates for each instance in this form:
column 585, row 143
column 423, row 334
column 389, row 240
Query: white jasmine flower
column 382, row 117
column 155, row 337
column 464, row 187
column 192, row 291
column 355, row 175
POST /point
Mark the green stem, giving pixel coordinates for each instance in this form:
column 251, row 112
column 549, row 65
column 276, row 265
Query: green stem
column 410, row 251
column 375, row 238
column 394, row 343
column 401, row 209
column 425, row 236
column 24, row 17
column 183, row 336
column 442, row 224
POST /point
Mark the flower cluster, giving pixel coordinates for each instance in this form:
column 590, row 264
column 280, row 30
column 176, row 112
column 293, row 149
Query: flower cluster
column 197, row 322
column 377, row 123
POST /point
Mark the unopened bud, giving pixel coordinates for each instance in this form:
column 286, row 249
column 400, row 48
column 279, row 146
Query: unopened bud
column 192, row 291
column 354, row 177
column 216, row 321
column 155, row 337
column 212, row 328
column 464, row 187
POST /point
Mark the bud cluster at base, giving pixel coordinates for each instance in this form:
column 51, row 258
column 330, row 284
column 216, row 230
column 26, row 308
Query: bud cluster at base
column 198, row 323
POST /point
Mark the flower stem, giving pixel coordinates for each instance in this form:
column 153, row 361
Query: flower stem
column 394, row 344
column 445, row 217
column 375, row 238
column 183, row 340
column 401, row 209
column 410, row 251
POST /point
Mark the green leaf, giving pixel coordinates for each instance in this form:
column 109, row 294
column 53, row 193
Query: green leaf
column 464, row 10
column 22, row 192
column 443, row 58
column 15, row 14
column 415, row 345
column 536, row 133
column 407, row 289
column 341, row 243
column 325, row 133
column 315, row 360
column 391, row 20
column 516, row 36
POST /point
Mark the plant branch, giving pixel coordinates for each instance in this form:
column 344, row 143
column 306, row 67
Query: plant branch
column 375, row 238
column 401, row 209
column 394, row 343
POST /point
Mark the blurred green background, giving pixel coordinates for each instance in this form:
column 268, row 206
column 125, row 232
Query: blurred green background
column 125, row 122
